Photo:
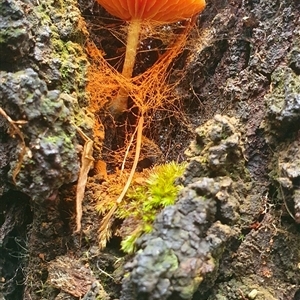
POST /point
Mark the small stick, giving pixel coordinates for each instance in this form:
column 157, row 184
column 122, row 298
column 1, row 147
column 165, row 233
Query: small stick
column 127, row 150
column 86, row 164
column 21, row 136
column 105, row 221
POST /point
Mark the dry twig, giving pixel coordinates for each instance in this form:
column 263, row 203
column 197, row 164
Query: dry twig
column 16, row 130
column 104, row 227
column 87, row 161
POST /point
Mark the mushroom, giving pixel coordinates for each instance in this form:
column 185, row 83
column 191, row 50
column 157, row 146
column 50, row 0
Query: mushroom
column 157, row 10
column 137, row 11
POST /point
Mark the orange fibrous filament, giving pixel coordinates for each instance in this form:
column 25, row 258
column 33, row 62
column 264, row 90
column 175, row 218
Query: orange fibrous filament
column 148, row 92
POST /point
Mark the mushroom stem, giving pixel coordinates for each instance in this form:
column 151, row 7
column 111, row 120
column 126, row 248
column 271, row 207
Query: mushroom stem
column 119, row 104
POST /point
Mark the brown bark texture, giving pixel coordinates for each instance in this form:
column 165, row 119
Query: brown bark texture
column 233, row 232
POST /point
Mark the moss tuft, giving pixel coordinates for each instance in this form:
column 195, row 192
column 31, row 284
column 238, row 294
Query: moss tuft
column 146, row 199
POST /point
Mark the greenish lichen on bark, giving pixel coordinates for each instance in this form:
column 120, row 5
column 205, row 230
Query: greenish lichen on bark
column 58, row 67
column 283, row 100
column 50, row 158
column 43, row 71
column 198, row 226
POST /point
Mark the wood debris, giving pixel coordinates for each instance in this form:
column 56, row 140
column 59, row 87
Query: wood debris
column 87, row 162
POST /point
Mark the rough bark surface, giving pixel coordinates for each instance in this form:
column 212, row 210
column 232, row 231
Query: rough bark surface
column 234, row 230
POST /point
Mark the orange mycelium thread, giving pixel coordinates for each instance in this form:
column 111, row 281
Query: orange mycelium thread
column 136, row 12
column 147, row 90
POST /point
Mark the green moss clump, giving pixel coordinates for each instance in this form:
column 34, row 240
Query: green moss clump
column 146, row 199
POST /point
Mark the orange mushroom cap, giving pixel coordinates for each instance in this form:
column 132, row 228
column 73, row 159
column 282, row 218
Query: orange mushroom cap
column 156, row 10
